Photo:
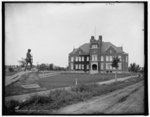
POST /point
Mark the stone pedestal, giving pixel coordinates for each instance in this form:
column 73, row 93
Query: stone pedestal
column 28, row 80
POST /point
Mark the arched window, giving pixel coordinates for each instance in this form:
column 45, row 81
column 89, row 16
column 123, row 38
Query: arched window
column 102, row 58
column 94, row 67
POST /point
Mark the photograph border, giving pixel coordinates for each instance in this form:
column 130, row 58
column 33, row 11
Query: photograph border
column 145, row 50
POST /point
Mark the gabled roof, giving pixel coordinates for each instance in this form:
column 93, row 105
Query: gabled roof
column 105, row 46
column 86, row 48
column 74, row 51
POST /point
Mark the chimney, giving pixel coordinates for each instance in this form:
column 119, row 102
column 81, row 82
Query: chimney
column 121, row 48
column 100, row 39
column 92, row 37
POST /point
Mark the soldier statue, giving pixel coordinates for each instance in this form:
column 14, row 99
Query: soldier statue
column 28, row 59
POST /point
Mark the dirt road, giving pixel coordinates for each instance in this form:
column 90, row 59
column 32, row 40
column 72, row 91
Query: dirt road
column 129, row 100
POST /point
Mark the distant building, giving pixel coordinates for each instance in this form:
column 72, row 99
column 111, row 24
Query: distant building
column 97, row 56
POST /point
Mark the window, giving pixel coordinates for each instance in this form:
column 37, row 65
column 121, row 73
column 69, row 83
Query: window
column 120, row 66
column 110, row 51
column 110, row 66
column 72, row 66
column 110, row 58
column 87, row 58
column 79, row 52
column 126, row 58
column 87, row 66
column 102, row 58
column 94, row 46
column 76, row 58
column 102, row 66
column 72, row 59
column 82, row 66
column 79, row 58
column 79, row 66
column 76, row 66
column 107, row 66
column 107, row 59
column 82, row 58
column 120, row 58
column 94, row 57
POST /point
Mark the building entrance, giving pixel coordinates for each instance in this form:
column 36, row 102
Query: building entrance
column 94, row 67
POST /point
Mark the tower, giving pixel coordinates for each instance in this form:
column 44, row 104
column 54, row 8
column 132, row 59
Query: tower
column 95, row 53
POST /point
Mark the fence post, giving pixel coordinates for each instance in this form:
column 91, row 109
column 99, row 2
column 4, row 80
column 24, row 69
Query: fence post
column 76, row 81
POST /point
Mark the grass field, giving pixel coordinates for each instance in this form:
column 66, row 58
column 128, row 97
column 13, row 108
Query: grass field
column 61, row 98
column 68, row 79
column 61, row 80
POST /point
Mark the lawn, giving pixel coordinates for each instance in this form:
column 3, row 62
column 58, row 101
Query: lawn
column 61, row 98
column 68, row 79
column 61, row 80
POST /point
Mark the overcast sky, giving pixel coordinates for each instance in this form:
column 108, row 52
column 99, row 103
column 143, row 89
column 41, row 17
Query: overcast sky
column 52, row 30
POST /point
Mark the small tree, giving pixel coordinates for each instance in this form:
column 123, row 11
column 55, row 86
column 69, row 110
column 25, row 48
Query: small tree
column 22, row 62
column 43, row 67
column 51, row 66
column 11, row 69
column 134, row 68
column 115, row 65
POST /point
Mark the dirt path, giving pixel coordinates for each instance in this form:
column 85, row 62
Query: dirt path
column 129, row 100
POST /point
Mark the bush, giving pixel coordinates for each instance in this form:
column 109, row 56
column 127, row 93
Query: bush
column 85, row 88
column 11, row 69
column 35, row 100
column 10, row 107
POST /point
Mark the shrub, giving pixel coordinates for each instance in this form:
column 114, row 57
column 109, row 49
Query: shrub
column 85, row 88
column 11, row 69
column 10, row 107
column 34, row 100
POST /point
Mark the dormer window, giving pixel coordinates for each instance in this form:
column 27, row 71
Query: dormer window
column 94, row 46
column 72, row 59
column 79, row 52
column 110, row 51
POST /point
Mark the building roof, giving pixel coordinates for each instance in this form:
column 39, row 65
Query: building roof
column 105, row 46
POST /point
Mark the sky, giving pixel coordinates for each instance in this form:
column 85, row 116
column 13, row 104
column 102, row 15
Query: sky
column 52, row 30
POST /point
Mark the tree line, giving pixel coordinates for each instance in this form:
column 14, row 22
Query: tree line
column 132, row 68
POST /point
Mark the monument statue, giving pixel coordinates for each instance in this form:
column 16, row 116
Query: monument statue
column 28, row 59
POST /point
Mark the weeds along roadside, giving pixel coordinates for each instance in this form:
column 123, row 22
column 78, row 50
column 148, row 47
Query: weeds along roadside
column 60, row 98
